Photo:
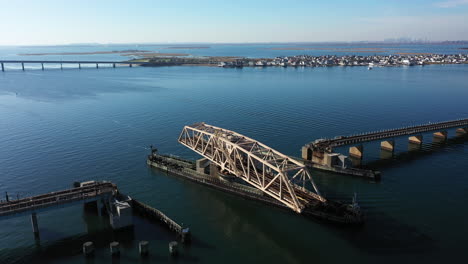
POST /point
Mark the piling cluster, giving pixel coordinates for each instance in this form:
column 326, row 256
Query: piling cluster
column 114, row 248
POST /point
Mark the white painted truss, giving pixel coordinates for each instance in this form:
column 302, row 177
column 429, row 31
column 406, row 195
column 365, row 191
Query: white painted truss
column 276, row 174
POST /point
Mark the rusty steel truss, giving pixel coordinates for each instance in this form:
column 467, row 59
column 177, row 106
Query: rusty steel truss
column 276, row 174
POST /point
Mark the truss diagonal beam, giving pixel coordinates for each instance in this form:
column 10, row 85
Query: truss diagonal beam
column 255, row 163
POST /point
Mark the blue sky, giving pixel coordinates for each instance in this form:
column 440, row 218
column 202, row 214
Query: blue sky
column 29, row 22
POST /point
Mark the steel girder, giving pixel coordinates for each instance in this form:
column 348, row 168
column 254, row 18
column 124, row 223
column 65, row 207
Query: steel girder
column 276, row 174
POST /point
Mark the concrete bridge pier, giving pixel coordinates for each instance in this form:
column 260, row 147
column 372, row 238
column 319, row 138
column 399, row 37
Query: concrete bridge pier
column 356, row 152
column 35, row 226
column 388, row 145
column 79, row 66
column 3, row 67
column 61, row 66
column 387, row 149
column 42, row 66
column 22, row 66
column 440, row 136
column 462, row 131
column 113, row 65
column 415, row 142
column 131, row 65
column 97, row 65
column 306, row 153
column 202, row 165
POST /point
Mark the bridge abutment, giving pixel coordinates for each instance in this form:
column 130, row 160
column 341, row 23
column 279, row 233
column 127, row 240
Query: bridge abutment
column 440, row 136
column 356, row 152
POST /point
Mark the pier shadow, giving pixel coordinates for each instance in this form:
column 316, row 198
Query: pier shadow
column 415, row 152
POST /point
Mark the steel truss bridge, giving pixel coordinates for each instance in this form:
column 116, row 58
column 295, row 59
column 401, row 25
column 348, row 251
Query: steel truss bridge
column 276, row 174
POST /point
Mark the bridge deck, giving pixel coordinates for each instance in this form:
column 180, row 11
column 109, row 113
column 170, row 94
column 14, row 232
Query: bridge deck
column 346, row 140
column 71, row 62
column 33, row 203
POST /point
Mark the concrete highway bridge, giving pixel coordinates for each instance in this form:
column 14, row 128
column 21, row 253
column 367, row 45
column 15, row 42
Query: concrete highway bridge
column 321, row 150
column 74, row 62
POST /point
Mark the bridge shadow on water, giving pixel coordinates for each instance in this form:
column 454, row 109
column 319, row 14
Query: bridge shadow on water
column 400, row 159
column 381, row 235
column 47, row 249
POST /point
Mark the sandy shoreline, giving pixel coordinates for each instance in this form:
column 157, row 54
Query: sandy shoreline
column 85, row 53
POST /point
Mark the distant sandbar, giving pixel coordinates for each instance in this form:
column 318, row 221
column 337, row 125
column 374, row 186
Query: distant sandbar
column 84, row 53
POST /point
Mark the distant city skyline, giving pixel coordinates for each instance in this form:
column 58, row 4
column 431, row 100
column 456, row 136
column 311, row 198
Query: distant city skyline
column 54, row 22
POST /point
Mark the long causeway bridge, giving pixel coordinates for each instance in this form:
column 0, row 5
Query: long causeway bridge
column 321, row 150
column 73, row 62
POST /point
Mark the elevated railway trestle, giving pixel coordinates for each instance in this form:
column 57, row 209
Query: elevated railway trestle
column 277, row 175
column 320, row 151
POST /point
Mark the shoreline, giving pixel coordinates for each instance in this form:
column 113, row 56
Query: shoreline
column 371, row 61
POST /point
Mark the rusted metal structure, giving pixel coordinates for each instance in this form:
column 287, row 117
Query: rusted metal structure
column 279, row 176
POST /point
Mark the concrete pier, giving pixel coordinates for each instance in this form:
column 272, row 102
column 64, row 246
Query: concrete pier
column 131, row 65
column 388, row 145
column 88, row 248
column 22, row 66
column 306, row 153
column 61, row 66
column 42, row 66
column 35, row 226
column 143, row 248
column 461, row 131
column 97, row 65
column 417, row 140
column 356, row 151
column 3, row 67
column 113, row 65
column 79, row 66
column 114, row 248
column 440, row 136
column 173, row 248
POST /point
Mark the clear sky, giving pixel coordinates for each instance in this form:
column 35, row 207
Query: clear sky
column 29, row 22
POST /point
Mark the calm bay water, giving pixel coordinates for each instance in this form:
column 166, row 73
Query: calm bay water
column 57, row 127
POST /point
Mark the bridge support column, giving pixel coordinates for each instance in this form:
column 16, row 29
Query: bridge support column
column 388, row 145
column 42, row 66
column 415, row 142
column 79, row 66
column 462, row 131
column 22, row 65
column 356, row 152
column 97, row 65
column 3, row 67
column 35, row 226
column 306, row 153
column 131, row 65
column 113, row 65
column 202, row 165
column 61, row 66
column 440, row 136
column 214, row 170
